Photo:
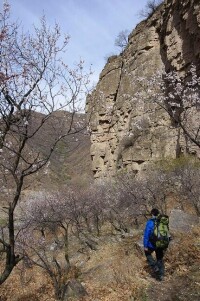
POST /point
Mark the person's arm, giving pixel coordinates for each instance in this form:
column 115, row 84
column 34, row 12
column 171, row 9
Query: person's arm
column 147, row 234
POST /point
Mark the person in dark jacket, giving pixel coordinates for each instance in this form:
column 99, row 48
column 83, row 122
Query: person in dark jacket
column 157, row 265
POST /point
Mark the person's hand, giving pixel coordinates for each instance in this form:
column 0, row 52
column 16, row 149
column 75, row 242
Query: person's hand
column 146, row 249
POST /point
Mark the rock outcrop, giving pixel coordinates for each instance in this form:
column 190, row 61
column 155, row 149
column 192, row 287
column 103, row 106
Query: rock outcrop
column 125, row 131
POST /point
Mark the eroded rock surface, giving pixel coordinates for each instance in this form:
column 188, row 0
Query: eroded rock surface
column 125, row 131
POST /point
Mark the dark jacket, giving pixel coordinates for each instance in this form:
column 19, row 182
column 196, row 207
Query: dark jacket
column 147, row 234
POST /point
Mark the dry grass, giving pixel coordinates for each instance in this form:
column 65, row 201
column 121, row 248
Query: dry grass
column 27, row 285
column 184, row 252
column 118, row 276
column 117, row 272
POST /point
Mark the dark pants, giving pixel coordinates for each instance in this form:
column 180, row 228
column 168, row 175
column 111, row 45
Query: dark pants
column 158, row 264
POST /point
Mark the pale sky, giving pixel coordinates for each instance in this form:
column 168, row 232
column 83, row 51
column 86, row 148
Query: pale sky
column 92, row 24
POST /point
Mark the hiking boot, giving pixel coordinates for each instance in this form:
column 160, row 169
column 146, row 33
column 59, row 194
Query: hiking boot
column 160, row 278
column 156, row 269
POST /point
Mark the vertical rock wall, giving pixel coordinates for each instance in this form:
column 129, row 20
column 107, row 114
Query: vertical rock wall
column 125, row 131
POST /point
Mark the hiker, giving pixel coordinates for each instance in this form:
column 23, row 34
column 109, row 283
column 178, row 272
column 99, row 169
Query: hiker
column 151, row 245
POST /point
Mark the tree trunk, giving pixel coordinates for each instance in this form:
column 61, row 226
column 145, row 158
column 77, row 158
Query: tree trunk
column 11, row 259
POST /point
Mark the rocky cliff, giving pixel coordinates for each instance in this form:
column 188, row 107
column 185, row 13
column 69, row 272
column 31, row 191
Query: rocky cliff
column 125, row 131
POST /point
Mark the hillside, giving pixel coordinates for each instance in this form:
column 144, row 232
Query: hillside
column 117, row 271
column 71, row 159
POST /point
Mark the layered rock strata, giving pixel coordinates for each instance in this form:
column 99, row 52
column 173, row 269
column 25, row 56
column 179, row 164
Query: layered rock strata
column 127, row 132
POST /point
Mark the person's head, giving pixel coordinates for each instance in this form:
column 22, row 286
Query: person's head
column 155, row 212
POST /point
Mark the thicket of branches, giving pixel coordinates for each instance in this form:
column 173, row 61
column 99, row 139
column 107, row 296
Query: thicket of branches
column 74, row 220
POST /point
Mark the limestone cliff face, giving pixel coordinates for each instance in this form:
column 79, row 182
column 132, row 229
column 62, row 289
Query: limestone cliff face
column 125, row 131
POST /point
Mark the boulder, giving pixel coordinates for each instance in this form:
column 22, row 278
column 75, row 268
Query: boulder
column 182, row 221
column 74, row 289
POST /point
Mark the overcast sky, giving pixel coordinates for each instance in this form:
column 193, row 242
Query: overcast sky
column 92, row 24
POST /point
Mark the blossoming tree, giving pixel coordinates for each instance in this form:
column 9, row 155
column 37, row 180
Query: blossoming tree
column 34, row 79
column 178, row 95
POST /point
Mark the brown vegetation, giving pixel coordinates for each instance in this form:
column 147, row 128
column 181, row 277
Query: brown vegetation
column 118, row 271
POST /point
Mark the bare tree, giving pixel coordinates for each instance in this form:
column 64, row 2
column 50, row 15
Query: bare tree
column 187, row 176
column 34, row 80
column 45, row 236
column 150, row 8
column 137, row 195
column 121, row 40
